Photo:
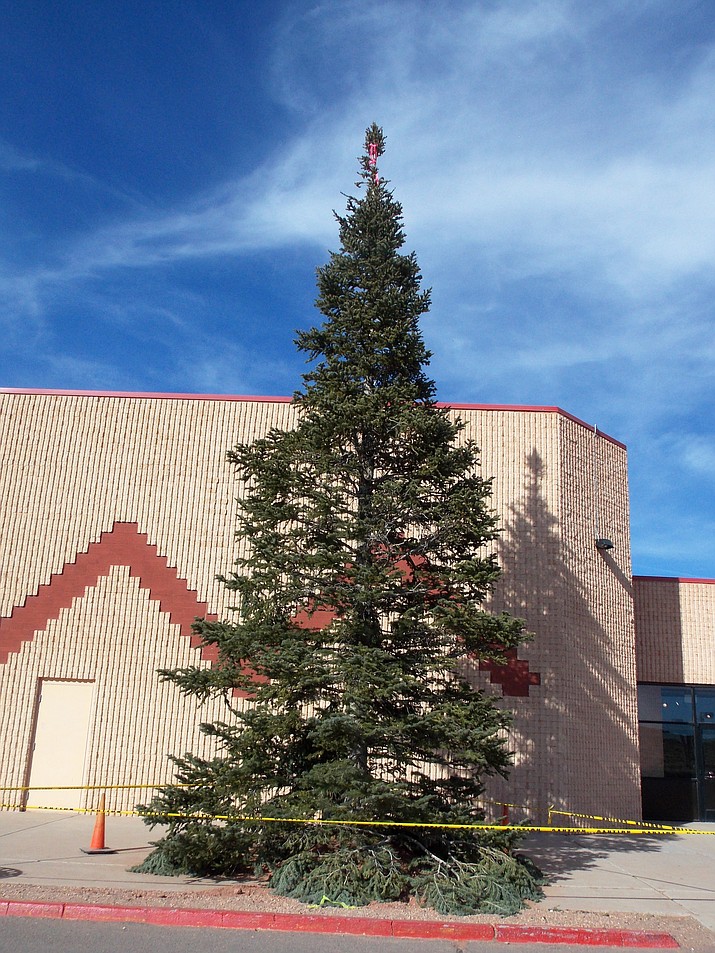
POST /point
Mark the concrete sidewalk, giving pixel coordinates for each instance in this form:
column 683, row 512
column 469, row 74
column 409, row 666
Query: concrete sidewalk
column 664, row 875
column 671, row 875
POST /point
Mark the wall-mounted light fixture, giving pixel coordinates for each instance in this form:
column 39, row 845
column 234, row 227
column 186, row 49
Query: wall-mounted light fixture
column 604, row 544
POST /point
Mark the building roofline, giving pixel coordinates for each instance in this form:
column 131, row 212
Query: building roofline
column 535, row 409
column 518, row 408
column 679, row 579
column 52, row 392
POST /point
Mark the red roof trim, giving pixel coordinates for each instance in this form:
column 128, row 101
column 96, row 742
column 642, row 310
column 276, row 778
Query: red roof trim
column 701, row 582
column 40, row 391
column 513, row 408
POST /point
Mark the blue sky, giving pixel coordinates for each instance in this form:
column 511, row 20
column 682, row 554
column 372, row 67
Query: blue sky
column 168, row 173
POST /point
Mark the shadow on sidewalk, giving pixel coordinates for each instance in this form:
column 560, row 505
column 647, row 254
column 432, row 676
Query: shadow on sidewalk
column 559, row 856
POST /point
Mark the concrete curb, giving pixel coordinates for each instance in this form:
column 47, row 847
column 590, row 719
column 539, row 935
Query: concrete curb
column 355, row 926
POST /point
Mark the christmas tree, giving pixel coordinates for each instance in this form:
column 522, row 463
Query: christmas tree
column 359, row 615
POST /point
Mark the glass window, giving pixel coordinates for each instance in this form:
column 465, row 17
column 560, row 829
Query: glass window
column 677, row 748
column 651, row 745
column 667, row 751
column 707, row 743
column 665, row 703
column 705, row 705
column 679, row 751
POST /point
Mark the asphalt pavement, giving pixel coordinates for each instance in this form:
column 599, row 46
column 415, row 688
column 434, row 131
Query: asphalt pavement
column 39, row 936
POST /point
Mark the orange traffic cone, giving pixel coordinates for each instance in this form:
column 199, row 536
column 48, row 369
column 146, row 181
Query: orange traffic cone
column 97, row 845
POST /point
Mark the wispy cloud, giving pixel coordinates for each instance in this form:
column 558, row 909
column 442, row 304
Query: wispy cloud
column 555, row 160
column 497, row 145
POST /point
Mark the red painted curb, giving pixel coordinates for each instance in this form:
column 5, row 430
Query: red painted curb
column 92, row 911
column 425, row 930
column 506, row 933
column 24, row 908
column 317, row 923
column 645, row 939
column 354, row 926
column 182, row 917
column 244, row 920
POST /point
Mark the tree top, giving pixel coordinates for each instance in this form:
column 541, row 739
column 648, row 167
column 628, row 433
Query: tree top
column 374, row 148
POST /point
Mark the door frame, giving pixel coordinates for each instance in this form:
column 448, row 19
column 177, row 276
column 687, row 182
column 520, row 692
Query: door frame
column 41, row 681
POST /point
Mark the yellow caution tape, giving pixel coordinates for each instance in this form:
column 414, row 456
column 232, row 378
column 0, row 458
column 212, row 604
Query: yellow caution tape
column 523, row 828
column 101, row 787
column 613, row 820
column 633, row 827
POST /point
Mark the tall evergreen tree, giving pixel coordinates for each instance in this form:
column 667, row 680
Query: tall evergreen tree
column 359, row 606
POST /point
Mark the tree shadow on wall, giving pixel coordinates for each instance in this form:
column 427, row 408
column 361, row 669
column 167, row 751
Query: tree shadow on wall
column 574, row 731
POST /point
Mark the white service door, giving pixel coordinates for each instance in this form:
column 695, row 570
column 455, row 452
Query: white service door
column 60, row 742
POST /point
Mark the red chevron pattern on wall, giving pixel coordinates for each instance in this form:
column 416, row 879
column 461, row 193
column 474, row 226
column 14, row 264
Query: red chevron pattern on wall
column 123, row 545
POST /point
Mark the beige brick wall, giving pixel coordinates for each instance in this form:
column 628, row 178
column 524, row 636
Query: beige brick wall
column 601, row 704
column 74, row 466
column 116, row 637
column 558, row 484
column 71, row 468
column 675, row 630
